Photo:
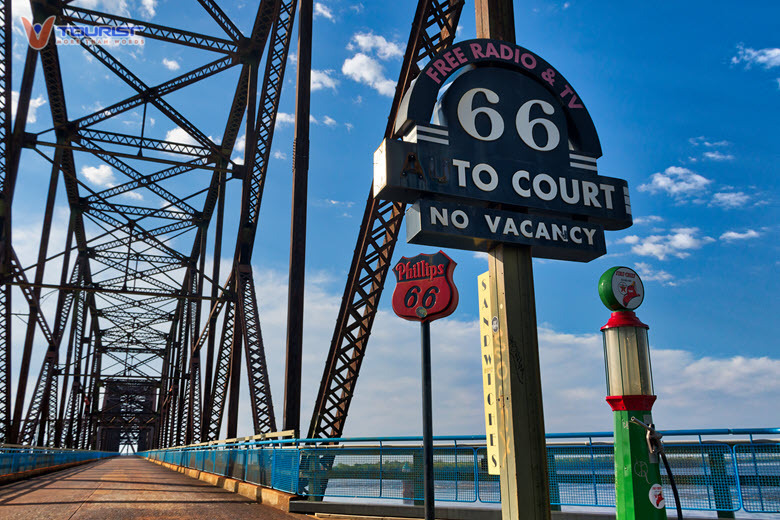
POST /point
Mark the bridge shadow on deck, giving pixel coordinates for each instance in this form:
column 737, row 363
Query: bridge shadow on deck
column 125, row 488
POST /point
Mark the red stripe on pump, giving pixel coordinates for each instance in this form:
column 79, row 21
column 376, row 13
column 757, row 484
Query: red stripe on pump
column 634, row 403
column 624, row 319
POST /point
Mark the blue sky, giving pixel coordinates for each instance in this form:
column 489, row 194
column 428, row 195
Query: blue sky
column 685, row 97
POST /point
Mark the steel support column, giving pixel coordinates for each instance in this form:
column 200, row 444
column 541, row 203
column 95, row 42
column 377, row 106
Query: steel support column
column 34, row 309
column 300, row 172
column 6, row 19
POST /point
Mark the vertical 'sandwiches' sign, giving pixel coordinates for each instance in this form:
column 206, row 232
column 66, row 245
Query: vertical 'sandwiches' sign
column 488, row 373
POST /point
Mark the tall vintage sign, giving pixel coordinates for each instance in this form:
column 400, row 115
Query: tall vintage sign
column 494, row 150
column 506, row 154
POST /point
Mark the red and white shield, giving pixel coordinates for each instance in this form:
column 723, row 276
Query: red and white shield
column 424, row 289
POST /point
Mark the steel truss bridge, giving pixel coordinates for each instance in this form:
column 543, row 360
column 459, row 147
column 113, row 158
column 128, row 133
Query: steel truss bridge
column 128, row 359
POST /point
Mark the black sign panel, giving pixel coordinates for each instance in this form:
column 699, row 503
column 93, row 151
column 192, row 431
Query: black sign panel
column 502, row 138
column 480, row 229
column 409, row 170
column 489, row 123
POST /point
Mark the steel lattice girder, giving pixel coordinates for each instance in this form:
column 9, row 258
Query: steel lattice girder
column 128, row 236
column 6, row 194
column 139, row 254
column 433, row 29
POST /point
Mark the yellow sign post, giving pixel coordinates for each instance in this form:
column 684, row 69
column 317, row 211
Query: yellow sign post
column 486, row 314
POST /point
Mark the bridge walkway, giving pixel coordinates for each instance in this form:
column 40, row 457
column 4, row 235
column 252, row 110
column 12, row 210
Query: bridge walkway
column 126, row 488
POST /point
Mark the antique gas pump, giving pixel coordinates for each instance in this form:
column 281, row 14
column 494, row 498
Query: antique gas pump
column 638, row 449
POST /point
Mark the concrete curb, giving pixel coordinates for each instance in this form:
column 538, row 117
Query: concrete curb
column 24, row 475
column 263, row 495
column 354, row 511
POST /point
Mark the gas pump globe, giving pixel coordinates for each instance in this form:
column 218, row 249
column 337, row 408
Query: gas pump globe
column 638, row 491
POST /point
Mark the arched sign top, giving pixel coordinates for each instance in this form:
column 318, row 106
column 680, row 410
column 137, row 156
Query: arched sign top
column 419, row 101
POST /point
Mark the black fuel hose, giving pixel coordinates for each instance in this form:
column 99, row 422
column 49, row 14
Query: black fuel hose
column 674, row 486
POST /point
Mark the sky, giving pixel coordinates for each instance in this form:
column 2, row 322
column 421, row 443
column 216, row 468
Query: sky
column 685, row 98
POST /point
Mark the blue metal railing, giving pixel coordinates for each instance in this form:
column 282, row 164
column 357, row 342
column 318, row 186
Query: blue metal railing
column 715, row 470
column 20, row 459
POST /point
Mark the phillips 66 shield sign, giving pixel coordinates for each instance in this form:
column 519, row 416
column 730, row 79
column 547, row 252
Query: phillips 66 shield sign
column 424, row 290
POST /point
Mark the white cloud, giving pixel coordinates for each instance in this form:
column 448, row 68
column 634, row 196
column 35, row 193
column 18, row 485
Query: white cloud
column 171, row 64
column 767, row 58
column 649, row 274
column 332, row 203
column 368, row 42
column 180, row 135
column 358, row 8
column 240, row 145
column 149, row 8
column 349, row 126
column 718, row 156
column 730, row 200
column 21, row 8
column 101, row 175
column 32, row 111
column 736, row 376
column 367, row 70
column 650, row 219
column 329, row 121
column 133, row 195
column 239, row 149
column 118, row 7
column 313, row 120
column 323, row 10
column 566, row 5
column 573, row 386
column 677, row 182
column 321, row 79
column 731, row 236
column 678, row 243
column 701, row 140
column 283, row 118
column 27, row 240
column 278, row 154
column 694, row 391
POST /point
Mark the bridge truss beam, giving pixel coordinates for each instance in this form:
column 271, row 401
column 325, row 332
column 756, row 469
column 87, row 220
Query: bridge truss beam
column 132, row 286
column 433, row 29
column 133, row 281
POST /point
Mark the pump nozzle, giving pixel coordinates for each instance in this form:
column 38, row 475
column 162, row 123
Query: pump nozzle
column 653, row 437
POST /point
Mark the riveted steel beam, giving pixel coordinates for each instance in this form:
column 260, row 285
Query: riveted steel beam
column 432, row 30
